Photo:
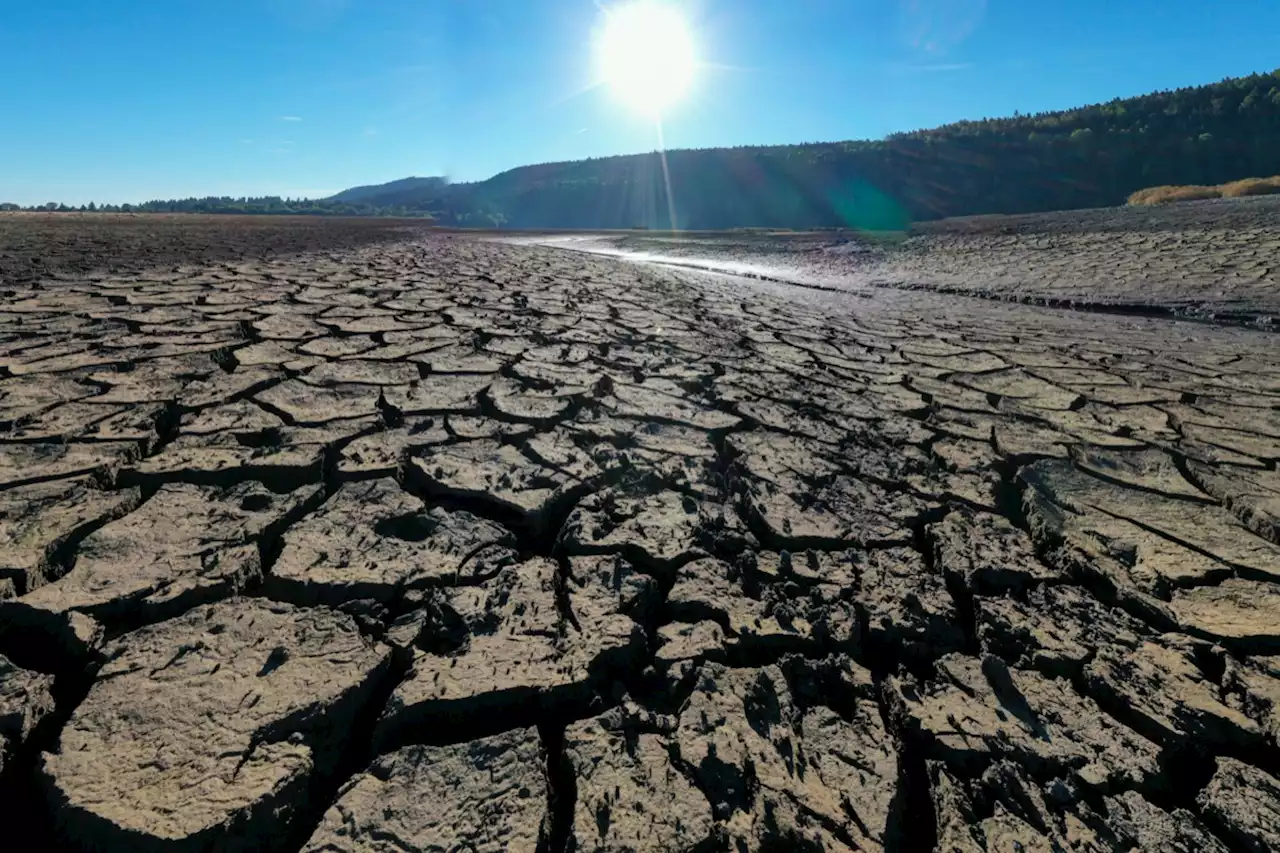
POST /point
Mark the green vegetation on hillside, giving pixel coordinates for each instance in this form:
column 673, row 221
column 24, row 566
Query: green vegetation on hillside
column 392, row 194
column 1088, row 157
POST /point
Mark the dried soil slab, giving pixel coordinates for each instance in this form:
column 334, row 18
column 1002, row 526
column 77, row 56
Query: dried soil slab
column 830, row 429
column 461, row 361
column 308, row 405
column 1021, row 439
column 679, row 455
column 1189, row 528
column 381, row 453
column 779, row 774
column 842, row 511
column 204, row 732
column 704, row 590
column 496, row 473
column 661, row 439
column 1146, row 827
column 372, row 540
column 977, row 710
column 26, row 396
column 291, row 455
column 62, row 421
column 1025, row 387
column 38, row 520
column 958, row 829
column 513, row 402
column 985, row 553
column 1240, row 614
column 468, row 427
column 1022, row 819
column 1253, row 495
column 21, row 464
column 486, row 796
column 905, row 606
column 1017, row 817
column 356, row 372
column 835, row 568
column 184, row 546
column 1244, row 803
column 1263, row 448
column 630, row 794
column 221, row 387
column 797, row 463
column 513, row 651
column 1259, row 418
column 221, row 458
column 439, row 393
column 241, row 417
column 272, row 354
column 953, row 396
column 1056, row 630
column 681, row 642
column 658, row 531
column 1253, row 685
column 1152, row 470
column 142, row 424
column 1136, row 565
column 783, row 617
column 662, row 400
column 26, row 698
column 1160, row 690
column 344, row 347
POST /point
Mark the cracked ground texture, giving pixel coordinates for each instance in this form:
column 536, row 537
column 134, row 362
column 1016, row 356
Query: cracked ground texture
column 422, row 542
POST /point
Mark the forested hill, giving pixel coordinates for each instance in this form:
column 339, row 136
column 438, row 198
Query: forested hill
column 388, row 193
column 1088, row 157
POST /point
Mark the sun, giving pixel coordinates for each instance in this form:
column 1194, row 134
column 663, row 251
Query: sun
column 646, row 55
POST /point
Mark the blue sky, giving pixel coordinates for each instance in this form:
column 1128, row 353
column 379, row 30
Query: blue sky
column 125, row 100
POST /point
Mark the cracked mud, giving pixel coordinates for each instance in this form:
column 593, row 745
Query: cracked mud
column 450, row 544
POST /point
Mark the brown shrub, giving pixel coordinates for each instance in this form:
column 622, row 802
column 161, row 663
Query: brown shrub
column 1251, row 186
column 1169, row 195
column 1235, row 189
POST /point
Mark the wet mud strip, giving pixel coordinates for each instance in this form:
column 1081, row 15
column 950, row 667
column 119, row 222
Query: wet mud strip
column 1210, row 261
column 443, row 543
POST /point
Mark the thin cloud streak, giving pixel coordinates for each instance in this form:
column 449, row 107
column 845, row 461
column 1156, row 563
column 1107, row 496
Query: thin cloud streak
column 291, row 118
column 935, row 68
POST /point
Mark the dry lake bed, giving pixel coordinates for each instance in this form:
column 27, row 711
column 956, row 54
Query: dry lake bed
column 338, row 536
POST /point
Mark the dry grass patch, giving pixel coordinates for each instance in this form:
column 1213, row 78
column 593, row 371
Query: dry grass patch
column 1168, row 195
column 1235, row 189
column 1251, row 186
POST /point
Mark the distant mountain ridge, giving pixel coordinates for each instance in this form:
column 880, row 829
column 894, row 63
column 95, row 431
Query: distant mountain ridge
column 1093, row 156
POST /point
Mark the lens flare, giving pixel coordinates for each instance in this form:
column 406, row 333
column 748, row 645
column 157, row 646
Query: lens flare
column 646, row 55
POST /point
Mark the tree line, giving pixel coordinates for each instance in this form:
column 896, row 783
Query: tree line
column 1092, row 156
column 264, row 205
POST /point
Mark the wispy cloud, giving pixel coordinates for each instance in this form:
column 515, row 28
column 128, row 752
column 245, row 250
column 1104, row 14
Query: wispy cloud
column 291, row 118
column 370, row 132
column 581, row 130
column 934, row 68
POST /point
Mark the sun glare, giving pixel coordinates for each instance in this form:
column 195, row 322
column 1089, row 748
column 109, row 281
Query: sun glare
column 646, row 55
